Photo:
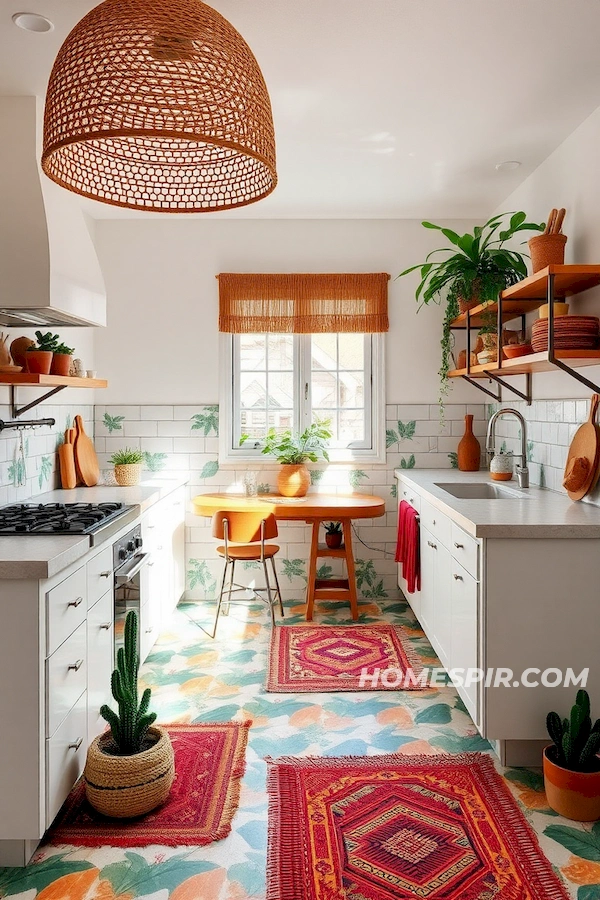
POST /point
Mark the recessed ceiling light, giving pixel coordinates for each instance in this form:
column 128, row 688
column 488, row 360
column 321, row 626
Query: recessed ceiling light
column 508, row 166
column 32, row 22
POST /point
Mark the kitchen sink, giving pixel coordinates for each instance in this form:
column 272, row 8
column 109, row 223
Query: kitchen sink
column 477, row 490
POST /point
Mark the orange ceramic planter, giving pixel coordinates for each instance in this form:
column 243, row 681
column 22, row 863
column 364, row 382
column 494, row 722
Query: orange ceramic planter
column 574, row 795
column 293, row 481
column 39, row 361
column 61, row 363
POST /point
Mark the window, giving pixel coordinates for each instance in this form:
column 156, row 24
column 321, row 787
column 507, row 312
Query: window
column 288, row 380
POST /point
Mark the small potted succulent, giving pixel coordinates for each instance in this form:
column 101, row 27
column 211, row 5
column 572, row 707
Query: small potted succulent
column 39, row 356
column 61, row 359
column 333, row 535
column 571, row 763
column 293, row 450
column 129, row 769
column 128, row 466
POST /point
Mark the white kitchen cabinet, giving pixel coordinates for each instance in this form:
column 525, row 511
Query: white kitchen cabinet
column 435, row 594
column 427, row 594
column 464, row 652
column 100, row 650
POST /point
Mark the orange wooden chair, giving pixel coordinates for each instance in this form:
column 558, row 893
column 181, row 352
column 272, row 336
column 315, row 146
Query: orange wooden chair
column 244, row 533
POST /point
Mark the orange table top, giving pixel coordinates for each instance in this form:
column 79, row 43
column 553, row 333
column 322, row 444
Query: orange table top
column 313, row 506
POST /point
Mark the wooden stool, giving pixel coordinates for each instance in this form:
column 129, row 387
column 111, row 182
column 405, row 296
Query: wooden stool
column 331, row 588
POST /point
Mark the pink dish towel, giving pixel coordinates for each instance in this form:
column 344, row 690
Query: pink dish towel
column 407, row 546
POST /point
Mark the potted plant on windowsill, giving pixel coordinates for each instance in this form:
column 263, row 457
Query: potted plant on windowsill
column 61, row 359
column 129, row 770
column 128, row 466
column 293, row 450
column 571, row 763
column 475, row 269
column 39, row 356
column 333, row 535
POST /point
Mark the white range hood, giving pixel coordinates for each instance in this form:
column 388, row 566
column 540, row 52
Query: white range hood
column 49, row 271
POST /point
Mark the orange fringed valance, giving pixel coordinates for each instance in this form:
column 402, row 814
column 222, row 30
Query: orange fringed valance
column 303, row 304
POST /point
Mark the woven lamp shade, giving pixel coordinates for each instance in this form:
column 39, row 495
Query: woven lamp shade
column 159, row 105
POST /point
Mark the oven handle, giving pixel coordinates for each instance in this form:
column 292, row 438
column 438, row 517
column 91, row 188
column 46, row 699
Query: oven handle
column 123, row 575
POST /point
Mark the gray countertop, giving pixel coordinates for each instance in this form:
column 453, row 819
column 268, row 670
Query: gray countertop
column 44, row 556
column 535, row 513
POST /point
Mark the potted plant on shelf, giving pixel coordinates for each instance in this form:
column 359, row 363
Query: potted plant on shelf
column 333, row 535
column 39, row 356
column 571, row 763
column 488, row 333
column 475, row 269
column 129, row 769
column 293, row 450
column 128, row 466
column 61, row 359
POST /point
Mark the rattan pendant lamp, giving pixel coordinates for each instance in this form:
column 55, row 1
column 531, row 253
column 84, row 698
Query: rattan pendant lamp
column 159, row 105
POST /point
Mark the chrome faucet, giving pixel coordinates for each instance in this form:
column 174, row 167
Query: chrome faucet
column 490, row 443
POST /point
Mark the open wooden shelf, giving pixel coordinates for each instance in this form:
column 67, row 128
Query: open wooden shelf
column 535, row 362
column 27, row 378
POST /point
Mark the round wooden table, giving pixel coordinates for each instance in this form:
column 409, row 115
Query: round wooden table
column 313, row 509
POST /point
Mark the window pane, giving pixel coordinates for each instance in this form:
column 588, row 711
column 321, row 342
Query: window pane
column 281, row 390
column 252, row 352
column 324, row 351
column 324, row 415
column 352, row 389
column 352, row 425
column 254, row 424
column 253, row 389
column 281, row 351
column 352, row 351
column 281, row 419
column 324, row 389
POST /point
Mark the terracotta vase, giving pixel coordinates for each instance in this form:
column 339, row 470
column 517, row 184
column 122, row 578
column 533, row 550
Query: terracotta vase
column 39, row 361
column 18, row 351
column 469, row 449
column 333, row 540
column 293, row 481
column 574, row 795
column 61, row 364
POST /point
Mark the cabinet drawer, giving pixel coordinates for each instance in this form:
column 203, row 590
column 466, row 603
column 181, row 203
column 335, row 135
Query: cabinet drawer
column 99, row 575
column 100, row 639
column 66, row 609
column 465, row 550
column 66, row 673
column 410, row 495
column 437, row 523
column 65, row 758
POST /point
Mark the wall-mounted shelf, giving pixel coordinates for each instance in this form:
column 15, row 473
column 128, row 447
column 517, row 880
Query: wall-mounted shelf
column 517, row 301
column 56, row 383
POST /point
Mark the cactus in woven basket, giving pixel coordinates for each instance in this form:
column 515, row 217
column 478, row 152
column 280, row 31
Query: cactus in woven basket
column 576, row 740
column 130, row 724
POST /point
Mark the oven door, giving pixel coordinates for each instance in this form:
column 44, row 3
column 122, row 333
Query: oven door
column 128, row 595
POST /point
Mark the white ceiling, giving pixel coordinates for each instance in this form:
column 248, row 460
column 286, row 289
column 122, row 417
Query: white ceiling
column 387, row 108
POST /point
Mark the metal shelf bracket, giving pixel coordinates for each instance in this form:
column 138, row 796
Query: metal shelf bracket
column 17, row 411
column 497, row 397
column 524, row 396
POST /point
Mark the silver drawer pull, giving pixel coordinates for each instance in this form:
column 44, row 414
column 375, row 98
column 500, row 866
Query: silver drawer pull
column 105, row 626
column 151, row 526
column 105, row 574
column 433, row 546
column 76, row 602
column 433, row 521
column 160, row 546
column 458, row 578
column 459, row 546
column 149, row 630
column 150, row 563
column 75, row 667
column 76, row 744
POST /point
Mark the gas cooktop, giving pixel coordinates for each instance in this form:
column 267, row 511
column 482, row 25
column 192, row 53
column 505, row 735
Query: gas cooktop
column 95, row 519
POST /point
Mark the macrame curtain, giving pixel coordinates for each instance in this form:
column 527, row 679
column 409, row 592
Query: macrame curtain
column 303, row 304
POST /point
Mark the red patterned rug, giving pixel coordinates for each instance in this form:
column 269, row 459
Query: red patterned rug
column 209, row 763
column 323, row 658
column 399, row 828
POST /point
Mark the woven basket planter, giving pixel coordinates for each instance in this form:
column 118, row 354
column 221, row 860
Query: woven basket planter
column 127, row 786
column 547, row 250
column 128, row 475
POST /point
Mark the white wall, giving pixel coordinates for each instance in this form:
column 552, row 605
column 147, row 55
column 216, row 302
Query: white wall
column 161, row 343
column 569, row 178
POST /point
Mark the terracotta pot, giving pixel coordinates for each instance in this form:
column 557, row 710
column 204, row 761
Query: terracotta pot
column 128, row 475
column 547, row 250
column 39, row 362
column 469, row 449
column 465, row 305
column 61, row 363
column 293, row 481
column 333, row 540
column 127, row 786
column 574, row 795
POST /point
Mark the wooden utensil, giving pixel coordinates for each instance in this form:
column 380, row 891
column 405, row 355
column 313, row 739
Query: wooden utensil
column 550, row 222
column 86, row 461
column 66, row 461
column 559, row 221
column 586, row 445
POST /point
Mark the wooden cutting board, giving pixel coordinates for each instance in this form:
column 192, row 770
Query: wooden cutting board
column 86, row 461
column 586, row 444
column 66, row 461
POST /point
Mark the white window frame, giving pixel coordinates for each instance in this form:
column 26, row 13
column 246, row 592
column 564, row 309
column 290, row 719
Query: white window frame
column 230, row 452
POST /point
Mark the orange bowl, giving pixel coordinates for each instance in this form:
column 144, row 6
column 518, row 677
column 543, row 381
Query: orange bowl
column 511, row 351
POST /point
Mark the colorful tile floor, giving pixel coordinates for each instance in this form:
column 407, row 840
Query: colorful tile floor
column 195, row 679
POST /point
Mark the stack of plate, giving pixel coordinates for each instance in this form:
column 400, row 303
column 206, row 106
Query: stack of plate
column 570, row 333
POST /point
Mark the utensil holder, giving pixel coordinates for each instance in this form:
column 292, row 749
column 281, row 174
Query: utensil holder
column 547, row 250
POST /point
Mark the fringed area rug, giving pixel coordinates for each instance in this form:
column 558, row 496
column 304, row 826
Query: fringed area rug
column 323, row 658
column 399, row 828
column 209, row 763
